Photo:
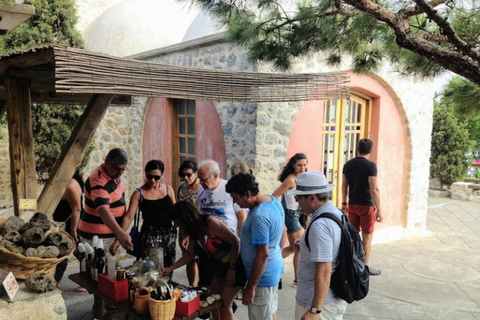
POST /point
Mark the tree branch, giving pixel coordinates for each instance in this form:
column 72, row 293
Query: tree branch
column 447, row 29
column 451, row 60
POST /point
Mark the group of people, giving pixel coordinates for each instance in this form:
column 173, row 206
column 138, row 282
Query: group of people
column 232, row 236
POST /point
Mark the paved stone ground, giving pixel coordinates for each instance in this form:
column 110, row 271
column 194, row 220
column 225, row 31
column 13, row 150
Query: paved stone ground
column 434, row 276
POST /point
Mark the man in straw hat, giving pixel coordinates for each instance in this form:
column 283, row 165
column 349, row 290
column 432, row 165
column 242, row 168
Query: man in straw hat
column 315, row 299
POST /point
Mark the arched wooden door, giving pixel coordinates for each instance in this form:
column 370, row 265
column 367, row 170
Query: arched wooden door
column 344, row 123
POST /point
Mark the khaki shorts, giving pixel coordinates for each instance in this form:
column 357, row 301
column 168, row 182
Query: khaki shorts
column 264, row 304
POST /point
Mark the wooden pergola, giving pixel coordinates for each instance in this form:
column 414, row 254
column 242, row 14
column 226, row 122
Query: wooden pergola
column 62, row 75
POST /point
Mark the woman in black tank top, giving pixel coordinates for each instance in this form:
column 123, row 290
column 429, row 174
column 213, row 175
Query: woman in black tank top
column 154, row 198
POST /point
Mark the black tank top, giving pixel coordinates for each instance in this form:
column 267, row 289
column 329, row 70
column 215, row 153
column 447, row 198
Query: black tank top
column 155, row 212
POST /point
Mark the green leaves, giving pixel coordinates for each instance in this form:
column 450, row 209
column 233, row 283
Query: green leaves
column 422, row 43
column 450, row 145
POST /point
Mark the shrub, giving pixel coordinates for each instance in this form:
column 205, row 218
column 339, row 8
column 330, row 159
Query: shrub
column 450, row 145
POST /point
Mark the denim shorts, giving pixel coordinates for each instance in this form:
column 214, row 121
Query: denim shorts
column 292, row 220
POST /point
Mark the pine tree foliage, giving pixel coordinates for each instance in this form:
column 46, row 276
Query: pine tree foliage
column 462, row 96
column 450, row 145
column 417, row 37
column 53, row 23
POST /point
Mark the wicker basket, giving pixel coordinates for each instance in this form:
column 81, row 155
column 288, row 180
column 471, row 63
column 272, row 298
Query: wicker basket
column 24, row 267
column 162, row 310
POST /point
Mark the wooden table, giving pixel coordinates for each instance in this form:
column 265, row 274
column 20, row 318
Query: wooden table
column 130, row 313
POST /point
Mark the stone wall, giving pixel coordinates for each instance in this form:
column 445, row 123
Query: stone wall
column 251, row 134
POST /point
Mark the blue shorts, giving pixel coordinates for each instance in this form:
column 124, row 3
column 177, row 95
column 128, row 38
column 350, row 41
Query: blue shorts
column 292, row 220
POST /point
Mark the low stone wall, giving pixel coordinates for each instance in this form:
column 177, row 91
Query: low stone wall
column 462, row 191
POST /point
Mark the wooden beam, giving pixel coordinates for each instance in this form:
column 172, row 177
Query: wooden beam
column 69, row 98
column 22, row 153
column 28, row 59
column 72, row 153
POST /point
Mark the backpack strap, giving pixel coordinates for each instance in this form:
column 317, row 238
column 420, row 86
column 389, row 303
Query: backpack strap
column 136, row 218
column 327, row 215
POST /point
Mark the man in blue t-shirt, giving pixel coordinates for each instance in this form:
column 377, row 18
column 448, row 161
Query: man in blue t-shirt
column 259, row 245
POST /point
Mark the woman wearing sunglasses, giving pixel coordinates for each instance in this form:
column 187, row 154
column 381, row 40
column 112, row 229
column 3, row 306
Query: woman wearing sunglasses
column 187, row 190
column 288, row 177
column 154, row 198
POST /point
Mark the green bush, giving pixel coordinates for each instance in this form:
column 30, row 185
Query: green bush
column 53, row 23
column 450, row 145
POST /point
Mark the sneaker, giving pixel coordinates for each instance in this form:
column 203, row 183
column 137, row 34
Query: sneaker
column 294, row 284
column 374, row 272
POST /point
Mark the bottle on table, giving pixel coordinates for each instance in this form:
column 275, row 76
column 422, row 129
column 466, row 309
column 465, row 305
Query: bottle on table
column 100, row 264
column 82, row 256
column 89, row 260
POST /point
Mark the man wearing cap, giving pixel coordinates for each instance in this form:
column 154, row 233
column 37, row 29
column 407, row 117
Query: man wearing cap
column 315, row 300
column 259, row 245
column 363, row 206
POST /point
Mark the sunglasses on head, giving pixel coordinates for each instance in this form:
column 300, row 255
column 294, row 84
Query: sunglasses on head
column 151, row 176
column 183, row 175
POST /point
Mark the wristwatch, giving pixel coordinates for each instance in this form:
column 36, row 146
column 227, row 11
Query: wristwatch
column 232, row 266
column 315, row 310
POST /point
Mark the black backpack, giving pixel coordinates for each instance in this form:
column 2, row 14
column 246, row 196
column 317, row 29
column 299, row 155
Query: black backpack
column 350, row 279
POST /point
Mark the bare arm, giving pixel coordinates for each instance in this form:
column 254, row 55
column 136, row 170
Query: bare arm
column 375, row 191
column 123, row 237
column 344, row 191
column 241, row 216
column 259, row 265
column 73, row 195
column 323, row 272
column 287, row 184
column 127, row 218
column 186, row 258
column 171, row 193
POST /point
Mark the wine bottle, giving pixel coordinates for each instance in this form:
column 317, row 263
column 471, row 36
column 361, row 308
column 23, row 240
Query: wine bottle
column 88, row 263
column 82, row 255
column 100, row 263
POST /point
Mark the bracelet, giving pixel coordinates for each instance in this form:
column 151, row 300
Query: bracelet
column 344, row 203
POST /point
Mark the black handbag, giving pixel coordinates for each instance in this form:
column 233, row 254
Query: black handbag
column 134, row 232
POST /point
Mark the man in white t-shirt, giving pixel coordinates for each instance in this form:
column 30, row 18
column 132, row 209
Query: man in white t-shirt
column 212, row 197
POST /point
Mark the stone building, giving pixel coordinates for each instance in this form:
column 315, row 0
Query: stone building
column 394, row 111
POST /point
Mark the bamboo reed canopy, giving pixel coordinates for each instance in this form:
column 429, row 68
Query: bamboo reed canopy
column 79, row 71
column 64, row 71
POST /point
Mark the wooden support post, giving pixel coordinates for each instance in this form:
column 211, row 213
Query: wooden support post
column 22, row 153
column 72, row 153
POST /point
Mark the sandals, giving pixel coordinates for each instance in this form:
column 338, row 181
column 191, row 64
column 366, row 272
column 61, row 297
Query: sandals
column 294, row 284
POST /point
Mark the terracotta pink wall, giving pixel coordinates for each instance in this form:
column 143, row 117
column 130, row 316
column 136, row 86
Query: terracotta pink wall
column 210, row 142
column 157, row 135
column 387, row 130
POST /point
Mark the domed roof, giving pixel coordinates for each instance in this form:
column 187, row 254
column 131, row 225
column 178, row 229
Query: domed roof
column 203, row 25
column 135, row 26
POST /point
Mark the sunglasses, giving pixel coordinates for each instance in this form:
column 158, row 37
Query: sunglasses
column 151, row 176
column 183, row 175
column 117, row 169
column 300, row 196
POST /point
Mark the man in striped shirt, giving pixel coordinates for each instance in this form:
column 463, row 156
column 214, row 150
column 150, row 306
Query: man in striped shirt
column 105, row 202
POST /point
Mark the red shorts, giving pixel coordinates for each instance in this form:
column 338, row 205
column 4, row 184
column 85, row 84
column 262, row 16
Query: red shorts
column 362, row 217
